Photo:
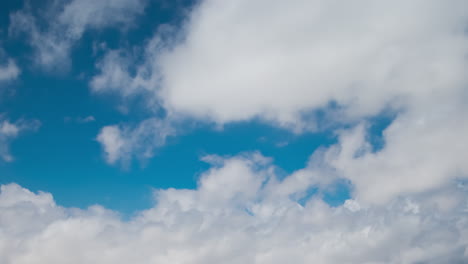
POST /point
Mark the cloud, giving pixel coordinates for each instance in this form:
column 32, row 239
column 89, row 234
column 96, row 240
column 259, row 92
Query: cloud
column 9, row 71
column 237, row 214
column 80, row 120
column 422, row 152
column 87, row 119
column 279, row 61
column 11, row 130
column 8, row 68
column 56, row 28
column 123, row 142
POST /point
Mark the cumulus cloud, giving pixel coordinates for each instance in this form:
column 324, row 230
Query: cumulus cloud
column 422, row 151
column 11, row 130
column 237, row 214
column 54, row 30
column 123, row 142
column 279, row 60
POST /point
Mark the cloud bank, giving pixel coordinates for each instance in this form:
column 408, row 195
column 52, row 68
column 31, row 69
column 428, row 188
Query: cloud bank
column 241, row 212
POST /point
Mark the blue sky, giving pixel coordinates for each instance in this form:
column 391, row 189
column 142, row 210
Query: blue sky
column 68, row 156
column 264, row 131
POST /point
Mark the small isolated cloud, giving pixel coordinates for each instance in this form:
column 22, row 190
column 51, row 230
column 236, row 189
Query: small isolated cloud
column 87, row 119
column 54, row 29
column 8, row 68
column 80, row 120
column 123, row 142
column 9, row 71
column 10, row 131
column 239, row 213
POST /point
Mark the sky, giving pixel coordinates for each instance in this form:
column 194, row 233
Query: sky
column 243, row 131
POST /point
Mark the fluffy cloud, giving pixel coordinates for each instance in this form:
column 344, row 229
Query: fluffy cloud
column 66, row 21
column 282, row 61
column 279, row 60
column 238, row 214
column 422, row 151
column 121, row 143
column 9, row 131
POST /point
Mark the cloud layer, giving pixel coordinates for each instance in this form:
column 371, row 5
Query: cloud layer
column 240, row 213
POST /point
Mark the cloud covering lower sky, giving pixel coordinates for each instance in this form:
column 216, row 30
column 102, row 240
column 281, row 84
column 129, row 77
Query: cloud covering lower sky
column 304, row 66
column 240, row 213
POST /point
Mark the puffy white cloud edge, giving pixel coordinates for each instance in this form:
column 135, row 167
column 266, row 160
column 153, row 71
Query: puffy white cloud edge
column 241, row 212
column 282, row 61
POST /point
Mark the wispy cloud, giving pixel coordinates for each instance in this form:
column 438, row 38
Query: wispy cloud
column 121, row 143
column 54, row 30
column 11, row 130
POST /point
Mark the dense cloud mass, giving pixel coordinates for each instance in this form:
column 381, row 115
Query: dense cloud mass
column 280, row 62
column 240, row 213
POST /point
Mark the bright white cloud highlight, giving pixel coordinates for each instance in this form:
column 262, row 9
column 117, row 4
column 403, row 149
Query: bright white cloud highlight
column 11, row 130
column 278, row 60
column 238, row 214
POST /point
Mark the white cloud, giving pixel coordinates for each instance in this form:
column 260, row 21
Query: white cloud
column 65, row 23
column 9, row 71
column 8, row 68
column 422, row 151
column 236, row 215
column 122, row 143
column 278, row 61
column 9, row 131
